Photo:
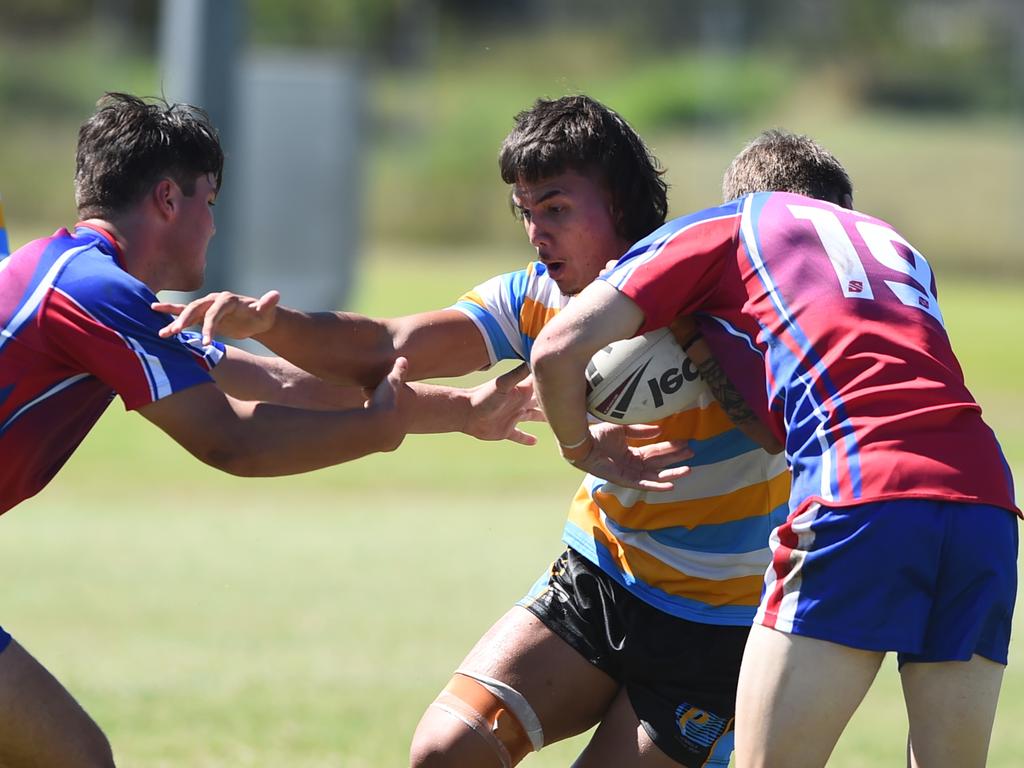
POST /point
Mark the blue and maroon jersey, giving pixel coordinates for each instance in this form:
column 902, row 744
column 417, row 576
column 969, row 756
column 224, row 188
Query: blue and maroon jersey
column 76, row 329
column 827, row 321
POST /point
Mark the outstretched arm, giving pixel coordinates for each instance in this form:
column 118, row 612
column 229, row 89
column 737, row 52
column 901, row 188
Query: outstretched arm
column 489, row 411
column 261, row 439
column 245, row 376
column 340, row 347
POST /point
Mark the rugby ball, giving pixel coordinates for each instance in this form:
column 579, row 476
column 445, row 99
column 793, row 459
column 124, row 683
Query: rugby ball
column 643, row 379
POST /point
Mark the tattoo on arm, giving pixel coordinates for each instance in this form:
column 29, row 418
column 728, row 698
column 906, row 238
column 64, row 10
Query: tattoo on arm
column 725, row 393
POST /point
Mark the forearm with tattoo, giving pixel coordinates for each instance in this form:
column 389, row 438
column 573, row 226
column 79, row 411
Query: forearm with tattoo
column 725, row 393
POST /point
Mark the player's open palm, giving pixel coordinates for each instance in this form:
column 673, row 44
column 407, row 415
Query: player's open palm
column 501, row 404
column 222, row 313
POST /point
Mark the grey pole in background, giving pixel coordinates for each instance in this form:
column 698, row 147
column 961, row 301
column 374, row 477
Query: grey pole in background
column 291, row 122
column 300, row 179
column 200, row 47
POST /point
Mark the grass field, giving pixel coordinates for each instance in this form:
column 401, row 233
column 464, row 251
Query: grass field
column 212, row 621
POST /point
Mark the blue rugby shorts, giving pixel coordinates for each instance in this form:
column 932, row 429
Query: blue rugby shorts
column 5, row 639
column 932, row 580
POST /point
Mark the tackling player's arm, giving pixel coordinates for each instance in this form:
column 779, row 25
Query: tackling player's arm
column 257, row 439
column 735, row 406
column 489, row 411
column 245, row 376
column 598, row 316
column 340, row 347
column 260, row 439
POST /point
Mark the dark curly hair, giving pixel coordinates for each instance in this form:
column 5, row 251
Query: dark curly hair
column 129, row 144
column 578, row 133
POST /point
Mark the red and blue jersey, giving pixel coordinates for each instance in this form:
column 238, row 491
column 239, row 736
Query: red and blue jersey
column 76, row 329
column 827, row 321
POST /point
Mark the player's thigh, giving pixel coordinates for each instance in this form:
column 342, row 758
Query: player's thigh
column 563, row 689
column 951, row 707
column 795, row 696
column 620, row 741
column 40, row 723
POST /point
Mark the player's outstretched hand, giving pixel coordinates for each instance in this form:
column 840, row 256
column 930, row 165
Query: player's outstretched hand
column 224, row 313
column 500, row 404
column 608, row 453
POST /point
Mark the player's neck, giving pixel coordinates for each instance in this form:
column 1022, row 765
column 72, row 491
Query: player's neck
column 135, row 245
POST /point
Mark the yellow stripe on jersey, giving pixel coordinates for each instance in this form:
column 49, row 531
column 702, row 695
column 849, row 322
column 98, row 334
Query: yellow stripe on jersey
column 743, row 590
column 474, row 297
column 694, row 424
column 534, row 316
column 754, row 500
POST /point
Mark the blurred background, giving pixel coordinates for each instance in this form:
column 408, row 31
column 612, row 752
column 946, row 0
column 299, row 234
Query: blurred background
column 210, row 621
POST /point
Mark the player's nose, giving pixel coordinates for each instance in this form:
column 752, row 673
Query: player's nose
column 538, row 235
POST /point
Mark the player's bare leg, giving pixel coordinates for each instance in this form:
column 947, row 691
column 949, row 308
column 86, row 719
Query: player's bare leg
column 566, row 692
column 41, row 725
column 951, row 707
column 795, row 697
column 620, row 740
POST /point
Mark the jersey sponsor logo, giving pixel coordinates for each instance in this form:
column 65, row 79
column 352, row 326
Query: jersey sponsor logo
column 698, row 728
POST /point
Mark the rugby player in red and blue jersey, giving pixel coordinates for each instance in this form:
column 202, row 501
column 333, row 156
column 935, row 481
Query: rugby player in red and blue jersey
column 901, row 534
column 77, row 328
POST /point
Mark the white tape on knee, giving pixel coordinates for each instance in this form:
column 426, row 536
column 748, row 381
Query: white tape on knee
column 516, row 703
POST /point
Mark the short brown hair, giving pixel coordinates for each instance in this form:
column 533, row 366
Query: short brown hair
column 779, row 161
column 129, row 144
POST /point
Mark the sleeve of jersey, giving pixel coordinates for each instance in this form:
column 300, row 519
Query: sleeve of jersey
column 676, row 269
column 496, row 306
column 116, row 340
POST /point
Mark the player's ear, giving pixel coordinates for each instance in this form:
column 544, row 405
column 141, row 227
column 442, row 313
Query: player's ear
column 165, row 197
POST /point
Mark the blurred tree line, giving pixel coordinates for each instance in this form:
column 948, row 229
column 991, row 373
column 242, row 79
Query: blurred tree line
column 908, row 54
column 917, row 97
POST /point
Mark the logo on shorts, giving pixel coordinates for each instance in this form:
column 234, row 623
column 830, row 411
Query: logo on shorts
column 699, row 728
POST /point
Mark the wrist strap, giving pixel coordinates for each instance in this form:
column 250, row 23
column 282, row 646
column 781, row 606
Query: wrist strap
column 573, row 453
column 576, row 444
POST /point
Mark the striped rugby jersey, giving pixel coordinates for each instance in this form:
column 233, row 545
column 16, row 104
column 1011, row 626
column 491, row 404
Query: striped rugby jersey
column 75, row 329
column 828, row 321
column 698, row 551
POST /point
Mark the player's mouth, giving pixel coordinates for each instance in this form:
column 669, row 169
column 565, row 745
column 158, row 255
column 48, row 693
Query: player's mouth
column 555, row 268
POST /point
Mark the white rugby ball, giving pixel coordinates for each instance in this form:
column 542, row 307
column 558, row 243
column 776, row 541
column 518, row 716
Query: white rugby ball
column 643, row 379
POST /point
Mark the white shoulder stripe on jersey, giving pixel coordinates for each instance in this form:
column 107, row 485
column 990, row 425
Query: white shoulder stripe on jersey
column 159, row 384
column 156, row 379
column 35, row 299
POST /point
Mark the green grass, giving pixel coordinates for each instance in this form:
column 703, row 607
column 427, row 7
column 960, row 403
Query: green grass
column 212, row 621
